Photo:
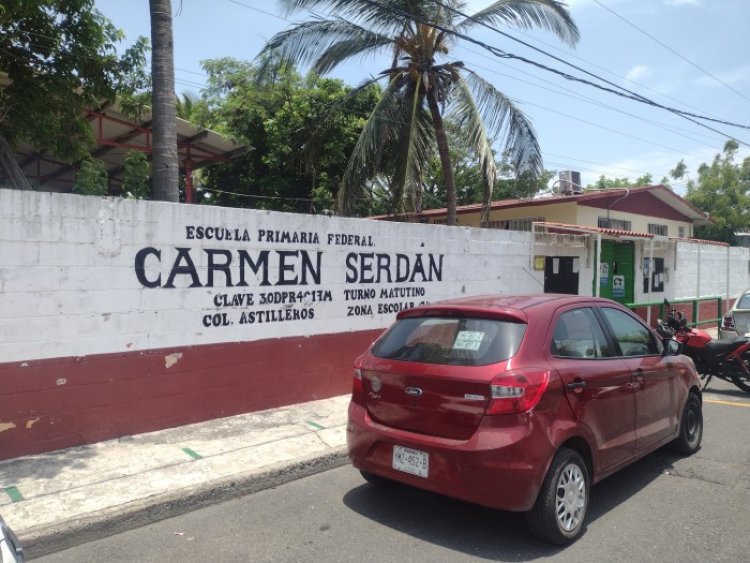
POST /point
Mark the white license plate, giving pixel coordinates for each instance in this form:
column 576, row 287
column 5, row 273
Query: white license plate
column 411, row 461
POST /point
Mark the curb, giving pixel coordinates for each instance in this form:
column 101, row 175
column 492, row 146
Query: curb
column 38, row 542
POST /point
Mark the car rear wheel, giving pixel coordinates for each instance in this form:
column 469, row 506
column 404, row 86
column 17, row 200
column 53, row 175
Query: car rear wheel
column 560, row 510
column 691, row 427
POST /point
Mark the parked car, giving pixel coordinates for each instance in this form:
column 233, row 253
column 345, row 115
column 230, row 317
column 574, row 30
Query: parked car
column 519, row 403
column 10, row 549
column 737, row 320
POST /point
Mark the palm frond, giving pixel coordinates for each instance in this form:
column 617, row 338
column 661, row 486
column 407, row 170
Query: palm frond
column 366, row 153
column 320, row 43
column 505, row 123
column 383, row 16
column 412, row 149
column 394, row 141
column 472, row 127
column 551, row 15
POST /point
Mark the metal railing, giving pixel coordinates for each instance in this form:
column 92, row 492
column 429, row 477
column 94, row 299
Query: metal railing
column 696, row 301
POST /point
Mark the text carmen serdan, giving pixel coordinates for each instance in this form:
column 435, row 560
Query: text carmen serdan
column 176, row 267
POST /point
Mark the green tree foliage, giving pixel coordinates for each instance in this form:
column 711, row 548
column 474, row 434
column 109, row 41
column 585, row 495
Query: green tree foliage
column 301, row 131
column 722, row 189
column 604, row 183
column 192, row 108
column 421, row 89
column 135, row 175
column 470, row 182
column 92, row 178
column 56, row 58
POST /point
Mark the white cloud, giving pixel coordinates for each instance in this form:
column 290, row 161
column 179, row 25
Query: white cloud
column 639, row 72
column 683, row 2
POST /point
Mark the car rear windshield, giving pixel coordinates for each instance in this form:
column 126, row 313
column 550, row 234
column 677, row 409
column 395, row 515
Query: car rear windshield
column 450, row 340
column 743, row 302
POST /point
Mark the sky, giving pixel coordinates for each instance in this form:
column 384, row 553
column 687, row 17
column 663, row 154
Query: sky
column 686, row 54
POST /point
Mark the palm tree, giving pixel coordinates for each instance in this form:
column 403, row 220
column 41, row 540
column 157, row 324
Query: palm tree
column 164, row 160
column 421, row 89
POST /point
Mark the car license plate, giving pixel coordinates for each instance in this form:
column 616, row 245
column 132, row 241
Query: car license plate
column 411, row 461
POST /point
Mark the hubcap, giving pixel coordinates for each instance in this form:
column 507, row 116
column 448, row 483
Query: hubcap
column 571, row 497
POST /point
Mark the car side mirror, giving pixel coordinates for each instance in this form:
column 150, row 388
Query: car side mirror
column 672, row 347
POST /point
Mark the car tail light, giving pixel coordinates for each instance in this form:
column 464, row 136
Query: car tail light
column 358, row 388
column 728, row 322
column 517, row 391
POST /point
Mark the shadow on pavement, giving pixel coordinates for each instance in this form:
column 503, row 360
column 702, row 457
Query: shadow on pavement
column 482, row 532
column 731, row 392
column 44, row 466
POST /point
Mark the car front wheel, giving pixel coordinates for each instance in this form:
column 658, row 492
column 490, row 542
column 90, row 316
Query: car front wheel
column 560, row 510
column 691, row 427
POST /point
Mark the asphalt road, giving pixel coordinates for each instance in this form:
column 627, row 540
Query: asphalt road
column 662, row 508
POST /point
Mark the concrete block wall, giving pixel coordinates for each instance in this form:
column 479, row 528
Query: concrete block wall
column 121, row 316
column 711, row 270
column 70, row 286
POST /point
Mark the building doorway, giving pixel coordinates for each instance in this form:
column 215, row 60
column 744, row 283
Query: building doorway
column 561, row 274
column 617, row 271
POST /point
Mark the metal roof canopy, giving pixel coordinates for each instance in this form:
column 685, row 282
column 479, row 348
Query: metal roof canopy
column 114, row 135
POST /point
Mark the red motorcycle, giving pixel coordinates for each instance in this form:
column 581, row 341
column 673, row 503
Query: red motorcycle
column 726, row 359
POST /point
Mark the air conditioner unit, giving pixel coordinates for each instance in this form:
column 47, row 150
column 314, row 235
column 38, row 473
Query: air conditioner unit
column 570, row 182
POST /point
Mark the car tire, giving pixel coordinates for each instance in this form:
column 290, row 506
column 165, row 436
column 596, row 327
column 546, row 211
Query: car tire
column 691, row 427
column 376, row 480
column 559, row 514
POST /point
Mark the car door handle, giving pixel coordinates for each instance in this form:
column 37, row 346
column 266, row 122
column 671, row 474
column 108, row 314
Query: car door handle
column 576, row 385
column 641, row 377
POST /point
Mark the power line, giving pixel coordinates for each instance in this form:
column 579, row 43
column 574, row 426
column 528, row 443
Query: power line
column 615, row 131
column 625, row 93
column 191, row 71
column 608, row 71
column 258, row 10
column 639, row 172
column 671, row 50
column 619, row 91
column 640, row 139
column 574, row 95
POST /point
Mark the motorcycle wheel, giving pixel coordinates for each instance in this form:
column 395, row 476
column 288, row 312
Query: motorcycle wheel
column 742, row 382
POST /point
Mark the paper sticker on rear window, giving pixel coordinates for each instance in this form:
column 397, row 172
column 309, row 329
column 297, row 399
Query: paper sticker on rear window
column 468, row 340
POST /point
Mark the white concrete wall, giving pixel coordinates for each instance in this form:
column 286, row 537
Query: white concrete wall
column 706, row 269
column 739, row 270
column 642, row 250
column 69, row 284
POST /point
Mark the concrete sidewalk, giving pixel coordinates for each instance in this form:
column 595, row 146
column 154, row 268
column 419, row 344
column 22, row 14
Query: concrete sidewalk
column 67, row 497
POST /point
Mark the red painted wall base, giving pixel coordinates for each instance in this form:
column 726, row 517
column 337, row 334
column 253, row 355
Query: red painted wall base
column 62, row 402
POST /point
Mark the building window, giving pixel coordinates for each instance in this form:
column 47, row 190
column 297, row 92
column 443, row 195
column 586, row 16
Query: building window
column 524, row 224
column 619, row 224
column 656, row 229
column 681, row 232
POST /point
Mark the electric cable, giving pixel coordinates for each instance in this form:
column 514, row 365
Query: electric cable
column 671, row 50
column 625, row 93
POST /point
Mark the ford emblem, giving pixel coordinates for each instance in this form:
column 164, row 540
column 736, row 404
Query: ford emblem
column 413, row 391
column 376, row 384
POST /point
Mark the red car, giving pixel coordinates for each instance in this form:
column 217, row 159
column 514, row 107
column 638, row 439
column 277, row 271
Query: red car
column 519, row 402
